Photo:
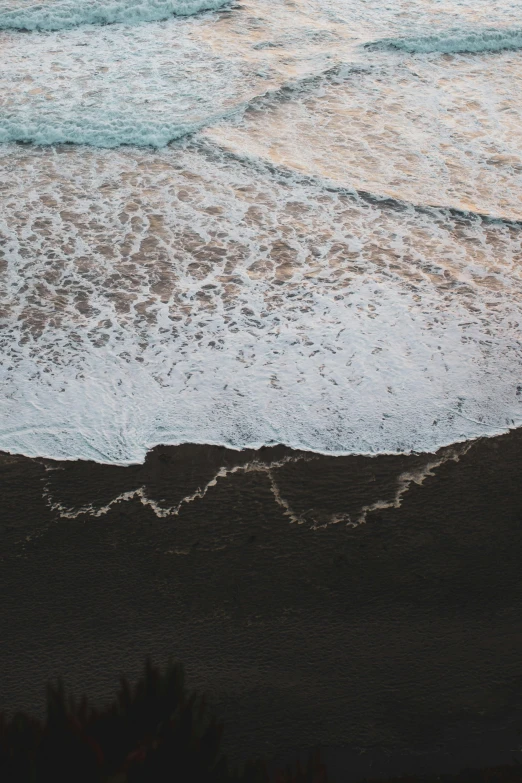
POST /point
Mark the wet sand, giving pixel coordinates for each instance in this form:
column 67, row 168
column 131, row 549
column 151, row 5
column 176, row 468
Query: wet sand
column 372, row 606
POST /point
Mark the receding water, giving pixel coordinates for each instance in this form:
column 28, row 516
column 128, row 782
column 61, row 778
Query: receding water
column 258, row 223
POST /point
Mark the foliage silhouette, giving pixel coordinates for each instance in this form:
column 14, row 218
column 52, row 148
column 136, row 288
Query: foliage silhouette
column 154, row 733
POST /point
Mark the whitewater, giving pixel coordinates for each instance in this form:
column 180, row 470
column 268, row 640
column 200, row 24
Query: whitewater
column 260, row 222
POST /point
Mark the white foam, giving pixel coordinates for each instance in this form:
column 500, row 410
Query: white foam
column 426, row 130
column 411, row 18
column 174, row 297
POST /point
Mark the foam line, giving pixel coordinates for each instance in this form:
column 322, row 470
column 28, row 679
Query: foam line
column 404, row 483
column 407, row 479
column 66, row 512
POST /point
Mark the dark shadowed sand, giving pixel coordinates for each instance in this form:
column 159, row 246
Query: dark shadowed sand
column 372, row 606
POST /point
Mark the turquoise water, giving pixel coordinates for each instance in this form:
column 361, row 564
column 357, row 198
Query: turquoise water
column 64, row 14
column 456, row 42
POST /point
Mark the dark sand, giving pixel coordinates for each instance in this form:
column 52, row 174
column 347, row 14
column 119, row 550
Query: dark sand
column 396, row 644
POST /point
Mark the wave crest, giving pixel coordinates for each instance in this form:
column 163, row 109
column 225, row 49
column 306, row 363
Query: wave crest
column 454, row 42
column 73, row 13
column 115, row 131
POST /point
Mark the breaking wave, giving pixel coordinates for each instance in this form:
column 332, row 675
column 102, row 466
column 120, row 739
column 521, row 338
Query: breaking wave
column 72, row 13
column 111, row 131
column 454, row 42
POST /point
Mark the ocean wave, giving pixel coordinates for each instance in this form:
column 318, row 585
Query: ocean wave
column 134, row 124
column 144, row 86
column 454, row 42
column 108, row 132
column 143, row 122
column 72, row 13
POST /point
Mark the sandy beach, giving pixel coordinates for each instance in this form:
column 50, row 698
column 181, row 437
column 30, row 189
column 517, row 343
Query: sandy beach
column 372, row 606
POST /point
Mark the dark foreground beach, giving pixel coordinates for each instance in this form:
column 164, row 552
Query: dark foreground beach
column 372, row 606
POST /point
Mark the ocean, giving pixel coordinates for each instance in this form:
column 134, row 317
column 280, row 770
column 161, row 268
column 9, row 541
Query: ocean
column 259, row 223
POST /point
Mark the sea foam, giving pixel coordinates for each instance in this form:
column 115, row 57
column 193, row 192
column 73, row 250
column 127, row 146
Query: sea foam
column 179, row 296
column 62, row 14
column 369, row 130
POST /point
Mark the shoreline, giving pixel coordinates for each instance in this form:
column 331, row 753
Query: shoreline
column 261, row 447
column 369, row 605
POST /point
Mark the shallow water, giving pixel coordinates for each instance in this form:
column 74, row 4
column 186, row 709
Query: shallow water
column 277, row 222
